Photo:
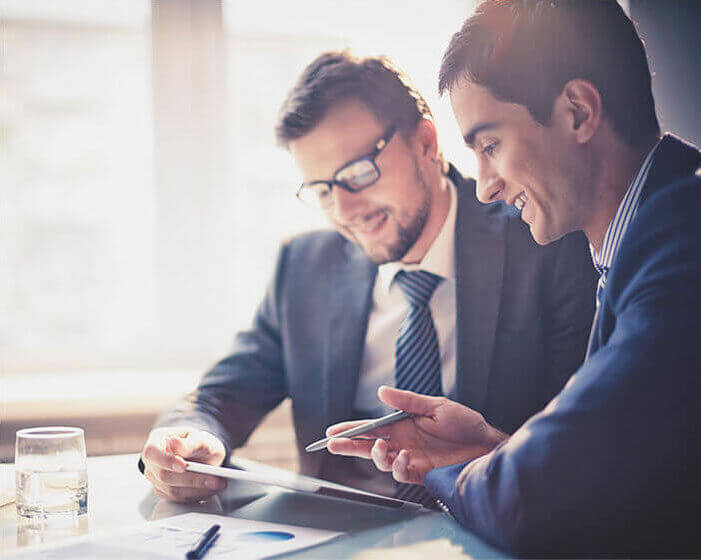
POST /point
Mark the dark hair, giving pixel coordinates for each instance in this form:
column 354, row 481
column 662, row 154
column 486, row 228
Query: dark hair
column 525, row 51
column 337, row 76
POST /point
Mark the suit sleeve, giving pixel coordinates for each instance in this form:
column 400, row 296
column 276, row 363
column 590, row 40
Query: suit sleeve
column 611, row 465
column 569, row 302
column 233, row 397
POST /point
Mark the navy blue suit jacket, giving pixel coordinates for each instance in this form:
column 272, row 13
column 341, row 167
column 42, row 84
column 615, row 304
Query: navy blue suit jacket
column 612, row 466
column 523, row 317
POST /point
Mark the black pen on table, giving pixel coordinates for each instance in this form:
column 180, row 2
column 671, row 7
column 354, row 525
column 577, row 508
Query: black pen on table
column 204, row 544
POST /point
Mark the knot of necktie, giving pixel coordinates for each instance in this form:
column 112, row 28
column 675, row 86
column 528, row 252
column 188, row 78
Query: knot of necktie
column 418, row 285
column 601, row 286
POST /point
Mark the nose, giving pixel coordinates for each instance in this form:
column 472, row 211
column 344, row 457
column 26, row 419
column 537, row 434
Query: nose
column 346, row 205
column 490, row 187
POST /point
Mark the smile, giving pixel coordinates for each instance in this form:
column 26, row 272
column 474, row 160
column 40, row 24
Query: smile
column 521, row 200
column 371, row 224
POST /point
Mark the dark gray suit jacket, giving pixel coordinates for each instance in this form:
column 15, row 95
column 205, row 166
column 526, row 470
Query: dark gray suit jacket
column 523, row 317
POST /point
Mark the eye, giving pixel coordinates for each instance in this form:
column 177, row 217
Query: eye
column 358, row 175
column 490, row 148
column 321, row 190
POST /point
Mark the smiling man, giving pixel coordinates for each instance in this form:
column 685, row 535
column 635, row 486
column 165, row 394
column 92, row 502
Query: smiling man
column 554, row 97
column 398, row 222
column 417, row 285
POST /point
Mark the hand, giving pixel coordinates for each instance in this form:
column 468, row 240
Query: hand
column 441, row 432
column 164, row 457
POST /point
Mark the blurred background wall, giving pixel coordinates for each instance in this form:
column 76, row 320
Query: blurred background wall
column 672, row 33
column 142, row 197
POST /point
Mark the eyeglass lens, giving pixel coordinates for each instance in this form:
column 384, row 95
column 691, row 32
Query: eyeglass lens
column 358, row 174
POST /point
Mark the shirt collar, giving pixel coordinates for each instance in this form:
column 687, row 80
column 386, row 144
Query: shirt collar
column 440, row 257
column 624, row 215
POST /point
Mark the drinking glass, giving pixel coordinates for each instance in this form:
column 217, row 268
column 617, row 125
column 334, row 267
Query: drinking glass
column 51, row 472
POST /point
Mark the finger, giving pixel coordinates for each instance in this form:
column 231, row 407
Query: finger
column 382, row 456
column 189, row 479
column 159, row 487
column 184, row 447
column 203, row 448
column 352, row 447
column 182, row 494
column 422, row 405
column 157, row 455
column 343, row 426
column 402, row 471
column 179, row 445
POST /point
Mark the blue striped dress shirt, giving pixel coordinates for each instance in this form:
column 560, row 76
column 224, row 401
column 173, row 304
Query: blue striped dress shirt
column 619, row 225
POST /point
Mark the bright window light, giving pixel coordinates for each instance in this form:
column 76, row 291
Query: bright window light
column 142, row 196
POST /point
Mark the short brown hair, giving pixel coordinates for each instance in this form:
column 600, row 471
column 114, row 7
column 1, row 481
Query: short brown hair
column 339, row 75
column 525, row 51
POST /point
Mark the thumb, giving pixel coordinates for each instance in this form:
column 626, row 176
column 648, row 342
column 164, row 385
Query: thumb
column 408, row 401
column 177, row 445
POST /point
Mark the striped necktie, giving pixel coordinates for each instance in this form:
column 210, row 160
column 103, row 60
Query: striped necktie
column 418, row 357
column 600, row 294
column 601, row 286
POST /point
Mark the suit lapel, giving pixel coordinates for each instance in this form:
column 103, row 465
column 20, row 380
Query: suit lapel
column 674, row 160
column 479, row 257
column 350, row 284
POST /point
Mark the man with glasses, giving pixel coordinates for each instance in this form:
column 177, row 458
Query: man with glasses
column 424, row 289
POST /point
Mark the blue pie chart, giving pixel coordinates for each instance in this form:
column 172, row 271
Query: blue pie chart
column 266, row 536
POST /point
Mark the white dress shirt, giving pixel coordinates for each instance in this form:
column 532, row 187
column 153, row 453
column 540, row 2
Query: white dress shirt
column 390, row 307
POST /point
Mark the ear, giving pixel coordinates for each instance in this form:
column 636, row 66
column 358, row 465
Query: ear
column 425, row 139
column 578, row 109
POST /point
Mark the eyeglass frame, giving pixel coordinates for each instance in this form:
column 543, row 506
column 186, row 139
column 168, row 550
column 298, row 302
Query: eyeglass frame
column 380, row 145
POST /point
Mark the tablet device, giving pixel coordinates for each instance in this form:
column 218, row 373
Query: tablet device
column 304, row 484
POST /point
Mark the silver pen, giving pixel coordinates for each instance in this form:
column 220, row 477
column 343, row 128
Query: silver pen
column 364, row 428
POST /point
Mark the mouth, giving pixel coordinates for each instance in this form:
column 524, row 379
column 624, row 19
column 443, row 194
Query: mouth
column 520, row 201
column 371, row 224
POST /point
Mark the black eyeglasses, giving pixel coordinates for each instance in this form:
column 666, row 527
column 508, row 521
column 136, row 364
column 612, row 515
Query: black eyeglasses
column 353, row 177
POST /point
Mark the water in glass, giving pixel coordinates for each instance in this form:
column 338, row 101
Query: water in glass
column 51, row 473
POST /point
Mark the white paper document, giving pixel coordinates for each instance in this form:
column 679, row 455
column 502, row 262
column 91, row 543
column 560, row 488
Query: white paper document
column 174, row 536
column 7, row 484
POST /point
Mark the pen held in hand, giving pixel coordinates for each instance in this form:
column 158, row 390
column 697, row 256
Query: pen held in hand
column 358, row 430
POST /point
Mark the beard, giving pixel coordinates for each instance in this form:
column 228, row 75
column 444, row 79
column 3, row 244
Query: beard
column 410, row 225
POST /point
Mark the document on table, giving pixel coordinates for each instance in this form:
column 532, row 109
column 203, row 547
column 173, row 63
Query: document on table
column 7, row 484
column 174, row 536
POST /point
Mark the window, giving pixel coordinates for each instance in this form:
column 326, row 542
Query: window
column 142, row 196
